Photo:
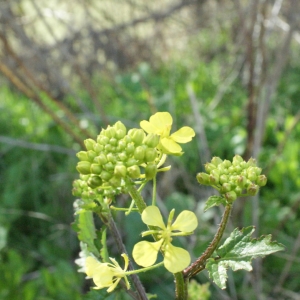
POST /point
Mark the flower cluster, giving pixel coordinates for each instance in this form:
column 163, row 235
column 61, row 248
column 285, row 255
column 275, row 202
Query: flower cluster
column 233, row 179
column 175, row 258
column 116, row 155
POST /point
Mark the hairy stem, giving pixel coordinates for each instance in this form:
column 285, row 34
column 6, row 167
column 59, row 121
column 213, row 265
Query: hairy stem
column 136, row 196
column 181, row 292
column 199, row 264
column 109, row 221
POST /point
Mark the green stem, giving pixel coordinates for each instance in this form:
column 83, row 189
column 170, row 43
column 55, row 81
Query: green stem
column 154, row 191
column 181, row 285
column 110, row 223
column 199, row 264
column 136, row 196
column 145, row 269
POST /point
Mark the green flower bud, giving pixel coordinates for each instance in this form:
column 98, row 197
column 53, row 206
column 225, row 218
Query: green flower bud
column 150, row 171
column 98, row 148
column 82, row 155
column 237, row 169
column 108, row 148
column 252, row 176
column 152, row 140
column 122, row 145
column 127, row 139
column 238, row 190
column 89, row 144
column 111, row 158
column 150, row 155
column 130, row 162
column 101, row 159
column 261, row 180
column 237, row 159
column 139, row 153
column 120, row 130
column 94, row 181
column 230, row 196
column 76, row 192
column 209, row 167
column 102, row 139
column 226, row 163
column 130, row 148
column 122, row 156
column 216, row 161
column 91, row 155
column 137, row 136
column 214, row 180
column 106, row 175
column 253, row 189
column 134, row 171
column 203, row 178
column 83, row 167
column 226, row 187
column 241, row 181
column 120, row 171
column 243, row 165
column 109, row 166
column 96, row 169
column 113, row 141
column 231, row 170
column 110, row 132
column 223, row 178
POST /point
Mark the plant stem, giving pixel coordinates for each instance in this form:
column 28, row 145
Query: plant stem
column 181, row 285
column 109, row 221
column 136, row 196
column 199, row 264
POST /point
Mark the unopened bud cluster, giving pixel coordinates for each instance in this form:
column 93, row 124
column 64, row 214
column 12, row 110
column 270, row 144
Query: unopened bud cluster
column 233, row 179
column 114, row 156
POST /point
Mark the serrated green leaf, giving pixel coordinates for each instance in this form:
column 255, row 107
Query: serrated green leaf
column 237, row 253
column 214, row 201
column 86, row 230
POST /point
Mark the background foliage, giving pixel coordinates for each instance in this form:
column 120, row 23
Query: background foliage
column 229, row 69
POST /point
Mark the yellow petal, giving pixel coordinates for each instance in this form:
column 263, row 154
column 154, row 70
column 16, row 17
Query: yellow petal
column 185, row 222
column 148, row 127
column 176, row 259
column 152, row 216
column 91, row 265
column 114, row 285
column 183, row 135
column 169, row 146
column 103, row 277
column 161, row 119
column 145, row 253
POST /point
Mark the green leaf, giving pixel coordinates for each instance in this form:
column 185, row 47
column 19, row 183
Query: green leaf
column 85, row 227
column 237, row 253
column 214, row 201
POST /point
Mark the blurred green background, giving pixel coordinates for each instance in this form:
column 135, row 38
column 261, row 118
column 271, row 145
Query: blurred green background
column 229, row 69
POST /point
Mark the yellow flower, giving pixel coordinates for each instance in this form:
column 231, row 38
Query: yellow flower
column 175, row 258
column 160, row 124
column 106, row 274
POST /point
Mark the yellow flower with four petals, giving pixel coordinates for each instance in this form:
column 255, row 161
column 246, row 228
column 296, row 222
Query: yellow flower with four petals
column 160, row 124
column 175, row 258
column 106, row 274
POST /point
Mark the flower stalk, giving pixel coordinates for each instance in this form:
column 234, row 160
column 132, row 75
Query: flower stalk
column 199, row 264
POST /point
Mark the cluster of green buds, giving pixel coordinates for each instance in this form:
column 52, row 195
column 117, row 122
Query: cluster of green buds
column 233, row 179
column 115, row 156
